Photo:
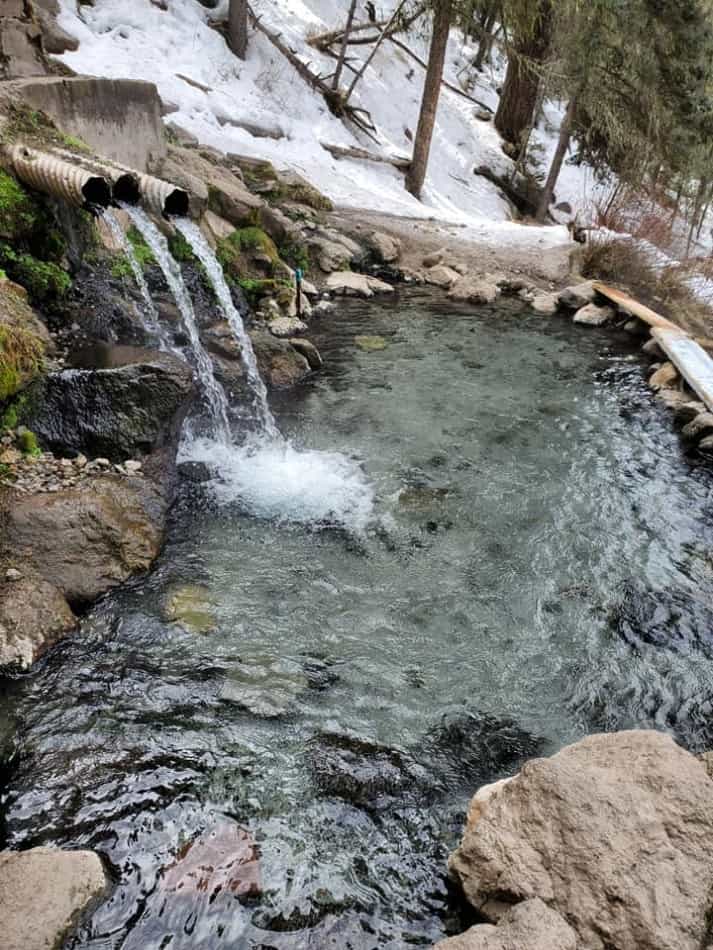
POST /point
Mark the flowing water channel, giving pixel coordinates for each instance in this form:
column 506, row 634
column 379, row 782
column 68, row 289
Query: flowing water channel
column 479, row 540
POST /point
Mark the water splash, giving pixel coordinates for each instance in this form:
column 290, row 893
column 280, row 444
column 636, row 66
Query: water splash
column 152, row 323
column 273, row 480
column 214, row 392
column 205, row 255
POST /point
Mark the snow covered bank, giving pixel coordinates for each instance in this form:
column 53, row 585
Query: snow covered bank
column 138, row 40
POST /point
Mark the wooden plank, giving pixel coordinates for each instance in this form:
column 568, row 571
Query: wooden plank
column 633, row 307
column 691, row 360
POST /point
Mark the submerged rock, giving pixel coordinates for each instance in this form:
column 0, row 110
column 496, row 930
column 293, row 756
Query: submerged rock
column 191, row 606
column 309, row 351
column 530, row 925
column 86, row 539
column 264, row 685
column 34, row 615
column 223, row 860
column 365, row 773
column 614, row 833
column 119, row 402
column 674, row 619
column 471, row 746
column 44, row 891
column 370, row 343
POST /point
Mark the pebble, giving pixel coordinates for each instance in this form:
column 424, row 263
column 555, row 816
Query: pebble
column 28, row 474
column 12, row 574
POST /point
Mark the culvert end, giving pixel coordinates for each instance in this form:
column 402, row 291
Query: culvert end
column 96, row 192
column 126, row 188
column 176, row 204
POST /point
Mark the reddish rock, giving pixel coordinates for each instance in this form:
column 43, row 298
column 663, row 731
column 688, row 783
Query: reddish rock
column 225, row 858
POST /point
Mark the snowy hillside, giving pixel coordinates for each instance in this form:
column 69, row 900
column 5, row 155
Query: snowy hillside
column 138, row 40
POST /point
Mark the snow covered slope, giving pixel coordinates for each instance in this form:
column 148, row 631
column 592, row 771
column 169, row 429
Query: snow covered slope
column 135, row 39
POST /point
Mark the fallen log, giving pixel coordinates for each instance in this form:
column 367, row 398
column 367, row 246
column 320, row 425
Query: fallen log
column 344, row 151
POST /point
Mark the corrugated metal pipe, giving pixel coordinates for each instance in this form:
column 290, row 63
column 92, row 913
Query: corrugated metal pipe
column 59, row 178
column 124, row 182
column 163, row 198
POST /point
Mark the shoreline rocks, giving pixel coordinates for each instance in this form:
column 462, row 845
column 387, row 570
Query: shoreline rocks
column 44, row 892
column 613, row 833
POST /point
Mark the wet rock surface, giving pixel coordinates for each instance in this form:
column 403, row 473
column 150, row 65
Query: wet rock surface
column 530, row 925
column 118, row 402
column 613, row 833
column 44, row 891
column 221, row 863
column 675, row 620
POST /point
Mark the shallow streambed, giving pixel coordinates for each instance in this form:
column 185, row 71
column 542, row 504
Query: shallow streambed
column 533, row 565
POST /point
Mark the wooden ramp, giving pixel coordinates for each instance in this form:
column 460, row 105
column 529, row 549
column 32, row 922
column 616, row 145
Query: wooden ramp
column 689, row 358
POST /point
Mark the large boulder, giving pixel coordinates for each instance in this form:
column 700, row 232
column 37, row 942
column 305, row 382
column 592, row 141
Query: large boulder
column 593, row 315
column 477, row 290
column 279, row 362
column 119, row 402
column 44, row 891
column 34, row 614
column 349, row 284
column 531, row 925
column 614, row 833
column 86, row 539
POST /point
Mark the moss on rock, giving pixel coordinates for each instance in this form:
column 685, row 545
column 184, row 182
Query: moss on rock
column 20, row 359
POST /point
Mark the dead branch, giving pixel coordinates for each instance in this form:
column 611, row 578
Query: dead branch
column 343, row 49
column 335, row 99
column 324, row 40
column 448, row 85
column 367, row 62
column 344, row 151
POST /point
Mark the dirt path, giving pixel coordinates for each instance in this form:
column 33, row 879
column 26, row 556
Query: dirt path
column 542, row 254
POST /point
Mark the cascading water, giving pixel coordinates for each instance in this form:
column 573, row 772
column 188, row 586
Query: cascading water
column 150, row 312
column 214, row 392
column 267, row 475
column 214, row 271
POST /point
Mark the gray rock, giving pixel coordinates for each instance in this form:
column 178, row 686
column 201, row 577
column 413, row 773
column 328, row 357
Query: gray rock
column 285, row 327
column 614, row 833
column 33, row 616
column 309, row 351
column 578, row 296
column 386, row 249
column 594, row 316
column 441, row 276
column 279, row 363
column 434, row 258
column 699, row 427
column 127, row 403
column 530, row 925
column 653, row 350
column 546, row 304
column 44, row 892
column 477, row 290
column 349, row 284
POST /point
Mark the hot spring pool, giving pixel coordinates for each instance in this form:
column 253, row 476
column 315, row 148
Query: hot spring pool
column 509, row 551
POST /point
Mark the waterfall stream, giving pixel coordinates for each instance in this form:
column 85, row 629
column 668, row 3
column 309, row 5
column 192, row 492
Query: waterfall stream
column 214, row 392
column 150, row 312
column 214, row 271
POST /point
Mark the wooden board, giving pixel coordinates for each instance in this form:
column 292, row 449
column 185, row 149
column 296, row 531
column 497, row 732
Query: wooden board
column 632, row 306
column 691, row 360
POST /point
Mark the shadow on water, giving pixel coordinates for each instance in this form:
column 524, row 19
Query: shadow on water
column 306, row 708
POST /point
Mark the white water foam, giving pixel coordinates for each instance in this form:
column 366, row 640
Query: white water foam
column 271, row 479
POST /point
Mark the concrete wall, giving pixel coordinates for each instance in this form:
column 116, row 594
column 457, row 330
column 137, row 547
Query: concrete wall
column 117, row 118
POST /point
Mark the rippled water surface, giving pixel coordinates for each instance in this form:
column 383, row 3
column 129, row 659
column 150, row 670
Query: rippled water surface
column 525, row 560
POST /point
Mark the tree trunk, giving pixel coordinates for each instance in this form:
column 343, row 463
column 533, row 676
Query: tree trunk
column 555, row 167
column 485, row 43
column 429, row 100
column 343, row 50
column 522, row 80
column 238, row 27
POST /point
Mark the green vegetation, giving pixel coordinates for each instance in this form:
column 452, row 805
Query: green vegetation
column 43, row 280
column 180, row 249
column 296, row 255
column 256, row 288
column 3, row 275
column 27, row 442
column 142, row 251
column 236, row 256
column 20, row 359
column 31, row 247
